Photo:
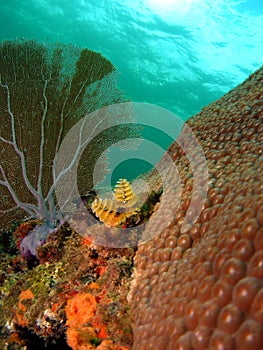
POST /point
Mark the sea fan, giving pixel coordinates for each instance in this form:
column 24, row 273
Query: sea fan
column 44, row 91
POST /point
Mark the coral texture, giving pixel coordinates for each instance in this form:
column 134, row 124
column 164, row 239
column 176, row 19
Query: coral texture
column 203, row 289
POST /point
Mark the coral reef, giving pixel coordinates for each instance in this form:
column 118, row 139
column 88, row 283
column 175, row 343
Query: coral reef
column 202, row 288
column 45, row 89
column 73, row 296
column 194, row 289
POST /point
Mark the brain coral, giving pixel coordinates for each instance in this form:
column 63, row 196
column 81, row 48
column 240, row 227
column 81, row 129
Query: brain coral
column 203, row 289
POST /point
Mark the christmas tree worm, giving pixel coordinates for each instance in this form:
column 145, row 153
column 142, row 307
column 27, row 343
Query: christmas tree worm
column 44, row 91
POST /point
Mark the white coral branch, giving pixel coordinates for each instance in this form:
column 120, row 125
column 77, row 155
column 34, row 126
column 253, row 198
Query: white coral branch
column 15, row 145
column 28, row 207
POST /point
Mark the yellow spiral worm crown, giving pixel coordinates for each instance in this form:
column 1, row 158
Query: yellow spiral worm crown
column 123, row 191
column 115, row 212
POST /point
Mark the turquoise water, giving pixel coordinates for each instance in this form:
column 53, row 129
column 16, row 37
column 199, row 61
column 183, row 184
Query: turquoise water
column 178, row 54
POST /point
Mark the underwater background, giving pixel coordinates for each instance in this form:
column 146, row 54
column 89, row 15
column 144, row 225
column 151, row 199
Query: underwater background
column 178, row 54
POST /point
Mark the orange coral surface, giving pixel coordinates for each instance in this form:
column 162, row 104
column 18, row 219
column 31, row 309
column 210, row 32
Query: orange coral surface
column 21, row 309
column 203, row 288
column 79, row 311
